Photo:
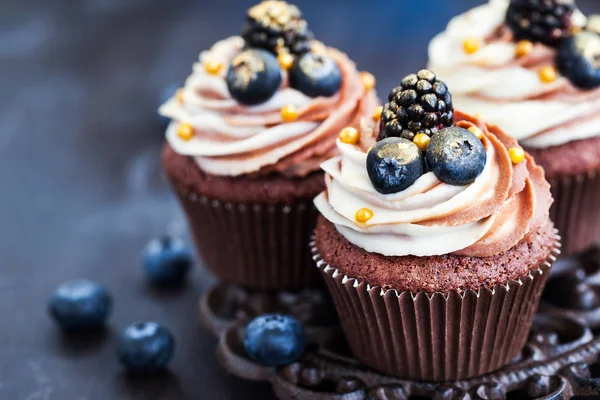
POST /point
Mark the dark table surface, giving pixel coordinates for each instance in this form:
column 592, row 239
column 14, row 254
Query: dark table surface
column 81, row 187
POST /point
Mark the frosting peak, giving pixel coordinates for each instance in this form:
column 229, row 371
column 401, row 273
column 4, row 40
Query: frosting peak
column 233, row 139
column 509, row 86
column 504, row 205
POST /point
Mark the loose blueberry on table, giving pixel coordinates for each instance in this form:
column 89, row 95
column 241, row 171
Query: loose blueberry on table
column 145, row 347
column 80, row 305
column 274, row 340
column 167, row 261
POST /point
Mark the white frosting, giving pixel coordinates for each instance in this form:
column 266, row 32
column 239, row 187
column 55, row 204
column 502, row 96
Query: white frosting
column 403, row 223
column 492, row 83
column 232, row 139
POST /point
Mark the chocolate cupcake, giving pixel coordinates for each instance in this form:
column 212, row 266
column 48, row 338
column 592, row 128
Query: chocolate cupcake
column 529, row 67
column 249, row 129
column 435, row 249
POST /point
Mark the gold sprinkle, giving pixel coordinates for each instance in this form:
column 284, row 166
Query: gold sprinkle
column 548, row 74
column 523, row 48
column 286, row 60
column 213, row 67
column 471, row 45
column 422, row 141
column 368, row 80
column 377, row 113
column 289, row 113
column 363, row 215
column 179, row 95
column 516, row 154
column 349, row 135
column 476, row 131
column 185, row 131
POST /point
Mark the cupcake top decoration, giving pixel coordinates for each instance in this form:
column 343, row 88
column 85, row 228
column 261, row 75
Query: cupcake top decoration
column 529, row 66
column 458, row 186
column 269, row 101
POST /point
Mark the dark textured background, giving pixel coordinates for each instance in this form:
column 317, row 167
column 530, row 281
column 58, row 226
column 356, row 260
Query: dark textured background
column 80, row 186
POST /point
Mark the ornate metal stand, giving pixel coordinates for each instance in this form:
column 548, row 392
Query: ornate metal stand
column 560, row 361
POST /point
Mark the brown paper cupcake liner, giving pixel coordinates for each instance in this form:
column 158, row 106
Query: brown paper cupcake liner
column 575, row 211
column 258, row 246
column 436, row 337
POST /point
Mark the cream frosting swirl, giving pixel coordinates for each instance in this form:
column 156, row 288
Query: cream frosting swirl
column 232, row 139
column 507, row 89
column 502, row 207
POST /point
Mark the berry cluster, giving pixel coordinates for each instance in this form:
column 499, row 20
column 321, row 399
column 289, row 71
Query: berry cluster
column 277, row 26
column 421, row 104
column 545, row 21
column 417, row 134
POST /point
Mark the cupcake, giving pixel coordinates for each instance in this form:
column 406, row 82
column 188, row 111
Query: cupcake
column 434, row 238
column 529, row 66
column 249, row 129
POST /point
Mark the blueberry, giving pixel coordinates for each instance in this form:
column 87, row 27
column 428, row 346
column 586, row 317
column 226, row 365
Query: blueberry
column 167, row 260
column 316, row 75
column 394, row 164
column 274, row 340
column 145, row 347
column 456, row 156
column 577, row 59
column 80, row 305
column 253, row 77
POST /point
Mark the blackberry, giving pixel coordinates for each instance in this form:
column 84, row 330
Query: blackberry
column 421, row 104
column 277, row 26
column 546, row 21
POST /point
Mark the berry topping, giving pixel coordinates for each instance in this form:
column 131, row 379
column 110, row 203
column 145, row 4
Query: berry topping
column 578, row 58
column 277, row 26
column 546, row 21
column 316, row 75
column 394, row 164
column 421, row 104
column 253, row 77
column 274, row 340
column 80, row 305
column 167, row 261
column 145, row 347
column 456, row 156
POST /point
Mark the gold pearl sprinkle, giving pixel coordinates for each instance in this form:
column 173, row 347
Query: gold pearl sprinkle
column 289, row 113
column 368, row 80
column 286, row 60
column 363, row 215
column 179, row 96
column 377, row 113
column 213, row 67
column 524, row 47
column 185, row 131
column 471, row 45
column 548, row 74
column 476, row 131
column 349, row 135
column 516, row 154
column 422, row 141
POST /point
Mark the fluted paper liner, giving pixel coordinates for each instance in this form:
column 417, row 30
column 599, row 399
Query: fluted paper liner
column 259, row 246
column 436, row 337
column 576, row 210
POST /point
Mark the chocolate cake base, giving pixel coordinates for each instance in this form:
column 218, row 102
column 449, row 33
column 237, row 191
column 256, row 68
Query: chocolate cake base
column 573, row 170
column 560, row 361
column 249, row 231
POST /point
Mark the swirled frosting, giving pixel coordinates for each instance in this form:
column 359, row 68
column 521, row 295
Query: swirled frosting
column 504, row 206
column 507, row 89
column 233, row 139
